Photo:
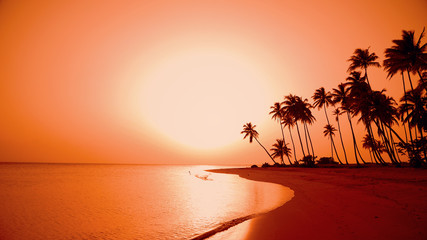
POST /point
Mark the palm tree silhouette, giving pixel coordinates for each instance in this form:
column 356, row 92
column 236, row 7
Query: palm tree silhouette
column 306, row 117
column 277, row 114
column 337, row 112
column 415, row 103
column 291, row 110
column 329, row 131
column 281, row 149
column 342, row 95
column 363, row 59
column 373, row 146
column 249, row 130
column 289, row 122
column 406, row 55
column 322, row 99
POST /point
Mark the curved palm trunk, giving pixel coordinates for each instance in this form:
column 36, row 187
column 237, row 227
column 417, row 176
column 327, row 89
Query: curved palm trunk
column 354, row 138
column 306, row 138
column 342, row 142
column 410, row 80
column 311, row 143
column 300, row 141
column 284, row 143
column 265, row 150
column 293, row 144
column 336, row 153
column 327, row 119
column 366, row 75
column 406, row 102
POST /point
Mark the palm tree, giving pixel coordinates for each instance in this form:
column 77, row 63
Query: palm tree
column 249, row 130
column 289, row 121
column 277, row 114
column 329, row 131
column 341, row 95
column 306, row 117
column 322, row 99
column 406, row 55
column 373, row 146
column 415, row 105
column 363, row 59
column 291, row 110
column 337, row 112
column 279, row 149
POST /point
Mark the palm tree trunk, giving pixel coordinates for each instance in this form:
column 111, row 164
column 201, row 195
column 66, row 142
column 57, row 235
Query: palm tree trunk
column 265, row 150
column 284, row 143
column 406, row 102
column 366, row 75
column 327, row 119
column 409, row 77
column 336, row 153
column 300, row 141
column 394, row 145
column 354, row 138
column 376, row 154
column 342, row 142
column 421, row 77
column 293, row 144
column 311, row 143
column 306, row 138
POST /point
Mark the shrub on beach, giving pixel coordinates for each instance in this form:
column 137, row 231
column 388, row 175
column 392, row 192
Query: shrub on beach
column 326, row 160
column 308, row 161
column 264, row 165
column 254, row 166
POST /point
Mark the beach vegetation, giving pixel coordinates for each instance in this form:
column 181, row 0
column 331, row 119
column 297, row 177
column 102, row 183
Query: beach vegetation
column 380, row 114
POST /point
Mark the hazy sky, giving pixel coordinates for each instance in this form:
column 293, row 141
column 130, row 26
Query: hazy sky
column 174, row 81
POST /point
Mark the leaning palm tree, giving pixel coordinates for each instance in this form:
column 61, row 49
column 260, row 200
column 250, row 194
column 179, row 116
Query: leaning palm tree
column 249, row 131
column 363, row 59
column 281, row 149
column 337, row 112
column 322, row 99
column 329, row 131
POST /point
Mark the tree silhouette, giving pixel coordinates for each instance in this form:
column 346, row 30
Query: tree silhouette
column 289, row 122
column 322, row 99
column 363, row 59
column 329, row 131
column 277, row 114
column 337, row 112
column 291, row 110
column 281, row 149
column 249, row 130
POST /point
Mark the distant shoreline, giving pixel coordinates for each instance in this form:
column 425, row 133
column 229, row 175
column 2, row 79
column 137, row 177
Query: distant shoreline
column 343, row 203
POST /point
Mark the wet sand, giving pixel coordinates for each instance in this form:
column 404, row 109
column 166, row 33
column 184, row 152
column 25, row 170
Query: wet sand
column 343, row 203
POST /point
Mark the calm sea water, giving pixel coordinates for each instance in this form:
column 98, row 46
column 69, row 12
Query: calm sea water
column 63, row 201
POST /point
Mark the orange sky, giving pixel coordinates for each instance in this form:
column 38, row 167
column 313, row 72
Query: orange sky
column 125, row 81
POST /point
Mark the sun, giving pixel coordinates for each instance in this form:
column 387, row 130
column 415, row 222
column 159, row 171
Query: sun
column 201, row 98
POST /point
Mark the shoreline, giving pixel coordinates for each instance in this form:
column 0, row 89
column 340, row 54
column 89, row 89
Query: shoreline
column 343, row 203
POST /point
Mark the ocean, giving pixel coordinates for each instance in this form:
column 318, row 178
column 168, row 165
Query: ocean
column 90, row 201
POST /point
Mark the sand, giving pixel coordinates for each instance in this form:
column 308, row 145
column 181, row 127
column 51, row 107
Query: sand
column 343, row 203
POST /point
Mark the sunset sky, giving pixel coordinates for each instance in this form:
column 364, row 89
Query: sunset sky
column 173, row 82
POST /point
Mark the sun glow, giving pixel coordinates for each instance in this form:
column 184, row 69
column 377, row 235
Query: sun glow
column 202, row 98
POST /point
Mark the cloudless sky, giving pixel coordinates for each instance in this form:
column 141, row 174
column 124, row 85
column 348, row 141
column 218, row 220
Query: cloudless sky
column 173, row 82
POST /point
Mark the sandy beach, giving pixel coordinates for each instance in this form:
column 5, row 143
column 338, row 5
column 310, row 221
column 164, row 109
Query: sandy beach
column 343, row 203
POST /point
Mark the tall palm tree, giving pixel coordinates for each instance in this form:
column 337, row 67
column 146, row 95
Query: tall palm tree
column 329, row 131
column 306, row 117
column 249, row 131
column 337, row 112
column 281, row 149
column 322, row 99
column 277, row 114
column 363, row 59
column 406, row 55
column 289, row 122
column 291, row 109
column 341, row 95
